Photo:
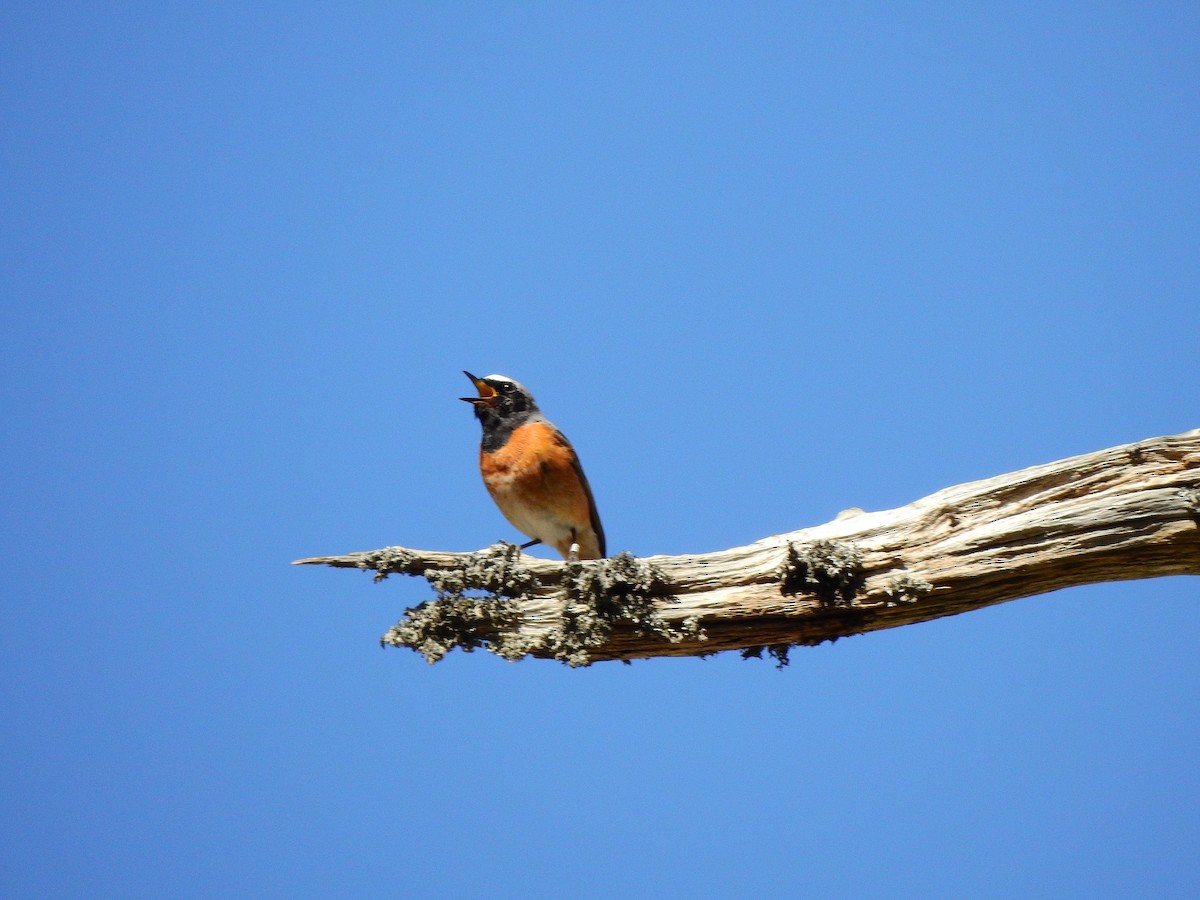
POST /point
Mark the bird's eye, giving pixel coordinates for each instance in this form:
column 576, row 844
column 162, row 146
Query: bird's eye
column 508, row 387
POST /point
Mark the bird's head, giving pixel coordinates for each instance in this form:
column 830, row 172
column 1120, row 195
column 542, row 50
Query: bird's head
column 501, row 399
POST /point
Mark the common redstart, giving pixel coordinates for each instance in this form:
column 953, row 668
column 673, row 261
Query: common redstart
column 532, row 471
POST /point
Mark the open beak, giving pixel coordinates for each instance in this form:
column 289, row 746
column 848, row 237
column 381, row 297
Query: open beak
column 487, row 393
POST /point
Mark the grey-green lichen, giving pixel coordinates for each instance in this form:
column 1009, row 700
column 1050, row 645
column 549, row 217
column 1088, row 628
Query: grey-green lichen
column 830, row 570
column 905, row 588
column 438, row 626
column 473, row 607
column 478, row 605
column 495, row 570
column 390, row 560
column 623, row 591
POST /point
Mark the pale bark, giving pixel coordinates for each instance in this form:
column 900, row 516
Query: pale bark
column 1127, row 512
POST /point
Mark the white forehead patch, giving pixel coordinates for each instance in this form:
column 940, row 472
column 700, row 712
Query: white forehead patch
column 504, row 378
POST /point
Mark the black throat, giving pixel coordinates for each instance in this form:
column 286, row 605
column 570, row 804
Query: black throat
column 499, row 424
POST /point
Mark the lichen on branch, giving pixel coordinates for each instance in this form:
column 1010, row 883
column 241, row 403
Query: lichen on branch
column 479, row 604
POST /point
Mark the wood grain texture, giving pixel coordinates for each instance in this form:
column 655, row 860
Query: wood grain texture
column 1124, row 513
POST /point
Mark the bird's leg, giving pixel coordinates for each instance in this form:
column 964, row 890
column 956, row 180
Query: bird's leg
column 573, row 550
column 532, row 543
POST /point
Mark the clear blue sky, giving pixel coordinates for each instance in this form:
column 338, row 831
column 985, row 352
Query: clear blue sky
column 760, row 262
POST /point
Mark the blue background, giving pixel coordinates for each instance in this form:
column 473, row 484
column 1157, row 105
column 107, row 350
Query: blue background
column 760, row 262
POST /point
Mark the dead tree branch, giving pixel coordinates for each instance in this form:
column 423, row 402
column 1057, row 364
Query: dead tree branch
column 1128, row 512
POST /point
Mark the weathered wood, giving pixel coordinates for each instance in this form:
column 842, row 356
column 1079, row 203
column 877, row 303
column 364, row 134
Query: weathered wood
column 1127, row 512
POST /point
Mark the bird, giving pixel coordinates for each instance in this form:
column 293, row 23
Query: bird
column 532, row 471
